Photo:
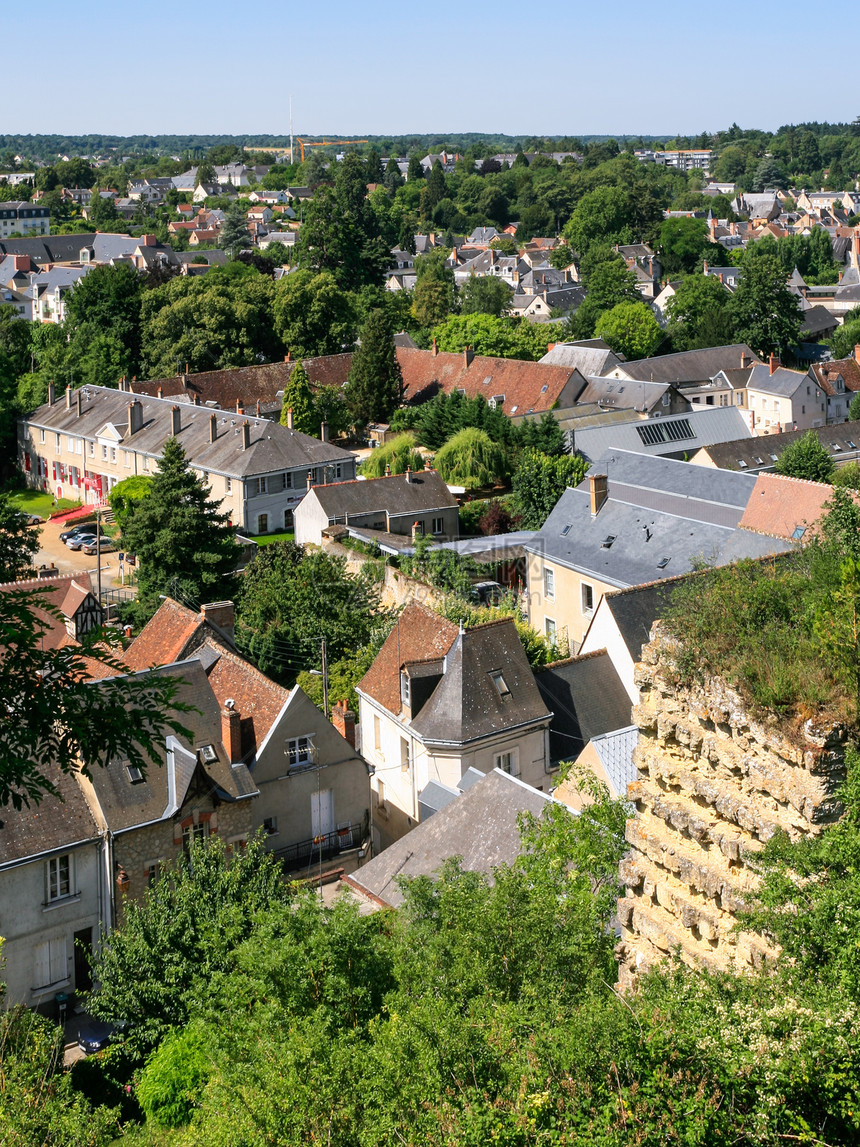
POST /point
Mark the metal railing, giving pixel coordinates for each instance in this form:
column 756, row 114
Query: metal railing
column 319, row 848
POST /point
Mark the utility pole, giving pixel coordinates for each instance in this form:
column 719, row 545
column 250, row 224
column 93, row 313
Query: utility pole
column 99, row 554
column 324, row 668
column 292, row 160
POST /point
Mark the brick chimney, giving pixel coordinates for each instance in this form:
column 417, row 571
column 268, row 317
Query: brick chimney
column 258, row 408
column 231, row 731
column 52, row 394
column 135, row 417
column 149, row 240
column 857, row 352
column 468, row 355
column 176, row 420
column 324, row 432
column 435, row 348
column 290, row 418
column 598, row 485
column 160, row 392
column 343, row 719
column 220, row 613
column 743, row 359
column 774, row 362
column 79, row 398
column 240, row 409
column 213, row 427
column 246, row 434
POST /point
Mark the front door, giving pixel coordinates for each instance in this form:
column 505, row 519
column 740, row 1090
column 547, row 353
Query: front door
column 83, row 952
column 322, row 813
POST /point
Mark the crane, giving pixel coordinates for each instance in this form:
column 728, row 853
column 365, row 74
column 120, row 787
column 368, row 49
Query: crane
column 303, row 143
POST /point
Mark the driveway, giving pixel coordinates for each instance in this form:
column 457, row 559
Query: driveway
column 53, row 551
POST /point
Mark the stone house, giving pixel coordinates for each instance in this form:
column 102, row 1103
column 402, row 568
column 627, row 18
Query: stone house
column 839, row 381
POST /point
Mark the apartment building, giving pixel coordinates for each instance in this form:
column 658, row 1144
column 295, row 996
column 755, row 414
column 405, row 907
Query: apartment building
column 81, row 445
column 18, row 217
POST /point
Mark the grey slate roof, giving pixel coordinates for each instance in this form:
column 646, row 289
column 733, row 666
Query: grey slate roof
column 689, row 365
column 424, row 490
column 663, row 517
column 53, row 824
column 272, row 447
column 126, row 805
column 466, row 705
column 586, row 698
column 676, row 434
column 757, row 454
column 621, row 392
column 615, row 751
column 783, row 382
column 480, row 826
column 48, row 248
column 636, row 609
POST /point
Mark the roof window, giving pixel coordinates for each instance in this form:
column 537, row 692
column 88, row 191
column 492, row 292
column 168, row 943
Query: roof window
column 798, row 533
column 742, row 464
column 208, row 754
column 135, row 775
column 498, row 679
column 565, row 531
column 606, row 544
column 774, row 457
column 663, row 562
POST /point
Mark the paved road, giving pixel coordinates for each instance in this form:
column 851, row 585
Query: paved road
column 51, row 549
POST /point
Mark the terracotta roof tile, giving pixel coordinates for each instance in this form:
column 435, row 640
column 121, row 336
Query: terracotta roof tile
column 779, row 506
column 257, row 699
column 419, row 635
column 826, row 374
column 164, row 637
column 63, row 593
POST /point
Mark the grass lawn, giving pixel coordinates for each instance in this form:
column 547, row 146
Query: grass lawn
column 35, row 502
column 277, row 536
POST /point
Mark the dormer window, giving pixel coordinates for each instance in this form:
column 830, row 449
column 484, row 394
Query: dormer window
column 498, row 679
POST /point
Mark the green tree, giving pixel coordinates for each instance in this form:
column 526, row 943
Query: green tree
column 289, row 601
column 602, row 216
column 195, row 916
column 434, row 294
column 854, row 408
column 397, row 455
column 416, row 169
column 126, row 495
column 313, row 316
column 234, row 233
column 683, row 243
column 19, row 543
column 184, row 544
column 174, row 1073
column 472, row 459
column 630, row 329
column 847, row 476
column 765, row 313
column 697, row 299
column 105, row 302
column 806, row 458
column 298, row 399
column 51, row 719
column 485, row 334
column 539, row 481
column 845, row 338
column 375, row 385
column 392, row 177
column 485, row 295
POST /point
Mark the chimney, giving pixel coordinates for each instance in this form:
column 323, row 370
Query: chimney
column 468, row 355
column 196, row 399
column 79, row 401
column 598, row 485
column 213, row 427
column 324, row 432
column 148, row 241
column 240, row 409
column 52, row 394
column 427, row 465
column 387, row 470
column 743, row 359
column 408, row 474
column 176, row 420
column 705, row 267
column 246, row 434
column 220, row 613
column 258, row 408
column 343, row 720
column 290, row 419
column 135, row 417
column 416, row 531
column 857, row 352
column 310, row 478
column 435, row 348
column 160, row 392
column 68, row 398
column 231, row 732
column 775, row 364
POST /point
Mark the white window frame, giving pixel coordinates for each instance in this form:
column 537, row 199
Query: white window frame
column 586, row 590
column 59, row 878
column 438, row 525
column 550, row 629
column 300, row 751
column 377, row 732
column 508, row 762
column 228, row 485
column 549, row 583
column 405, row 755
column 193, row 832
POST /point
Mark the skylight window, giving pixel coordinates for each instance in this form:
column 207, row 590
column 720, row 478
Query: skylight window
column 565, row 531
column 498, row 679
column 774, row 457
column 742, row 464
column 851, row 444
column 760, row 461
column 663, row 562
column 836, row 447
column 135, row 776
column 607, row 542
column 208, row 754
column 798, row 533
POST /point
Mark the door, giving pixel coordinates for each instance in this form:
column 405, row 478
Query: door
column 83, row 951
column 322, row 813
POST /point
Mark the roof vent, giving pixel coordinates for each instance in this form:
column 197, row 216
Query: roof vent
column 208, row 754
column 742, row 464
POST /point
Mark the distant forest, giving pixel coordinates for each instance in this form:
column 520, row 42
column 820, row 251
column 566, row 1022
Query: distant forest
column 49, row 147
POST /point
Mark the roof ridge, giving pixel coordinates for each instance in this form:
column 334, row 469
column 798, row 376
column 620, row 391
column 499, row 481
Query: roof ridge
column 572, row 660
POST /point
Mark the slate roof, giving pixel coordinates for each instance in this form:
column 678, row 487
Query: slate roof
column 615, row 751
column 678, row 434
column 54, row 823
column 586, row 698
column 418, row 633
column 753, row 454
column 48, row 248
column 272, row 447
column 636, row 609
column 591, row 357
column 662, row 515
column 689, row 365
column 528, row 387
column 424, row 490
column 779, row 506
column 480, row 826
column 621, row 392
column 783, row 383
column 127, row 805
column 466, row 705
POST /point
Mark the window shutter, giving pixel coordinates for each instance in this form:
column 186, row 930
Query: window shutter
column 42, row 953
column 59, row 971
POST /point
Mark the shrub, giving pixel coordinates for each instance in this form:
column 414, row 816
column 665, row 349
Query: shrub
column 473, row 460
column 398, row 454
column 173, row 1077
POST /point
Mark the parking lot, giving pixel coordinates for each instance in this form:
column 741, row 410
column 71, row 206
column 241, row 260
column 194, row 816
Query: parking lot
column 53, row 551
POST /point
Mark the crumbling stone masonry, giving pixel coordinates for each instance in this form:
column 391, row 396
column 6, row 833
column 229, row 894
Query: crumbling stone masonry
column 714, row 785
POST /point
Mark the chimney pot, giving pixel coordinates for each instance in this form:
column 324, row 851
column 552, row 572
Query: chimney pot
column 435, row 347
column 598, row 485
column 343, row 719
column 160, row 392
column 239, row 408
column 213, row 427
column 290, row 418
column 68, row 398
column 258, row 408
column 324, row 432
column 408, row 473
column 246, row 434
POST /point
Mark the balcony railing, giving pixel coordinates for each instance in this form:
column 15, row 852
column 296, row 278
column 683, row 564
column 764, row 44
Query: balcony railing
column 320, row 848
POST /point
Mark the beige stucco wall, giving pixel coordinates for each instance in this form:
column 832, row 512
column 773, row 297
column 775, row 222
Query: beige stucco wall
column 565, row 608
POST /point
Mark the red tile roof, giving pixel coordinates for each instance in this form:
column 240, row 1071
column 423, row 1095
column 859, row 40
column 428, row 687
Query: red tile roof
column 164, row 637
column 258, row 700
column 826, row 374
column 419, row 635
column 64, row 594
column 528, row 386
column 779, row 506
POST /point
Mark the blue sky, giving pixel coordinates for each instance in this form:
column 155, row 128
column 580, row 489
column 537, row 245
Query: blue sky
column 382, row 67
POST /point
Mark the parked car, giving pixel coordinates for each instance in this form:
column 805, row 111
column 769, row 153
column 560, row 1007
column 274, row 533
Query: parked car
column 106, row 546
column 83, row 528
column 79, row 540
column 31, row 519
column 95, row 1035
column 488, row 592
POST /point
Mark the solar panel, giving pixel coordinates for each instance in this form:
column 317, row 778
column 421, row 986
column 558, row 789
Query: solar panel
column 657, row 432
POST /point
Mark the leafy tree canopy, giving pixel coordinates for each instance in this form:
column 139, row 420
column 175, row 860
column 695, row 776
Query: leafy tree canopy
column 806, row 458
column 630, row 329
